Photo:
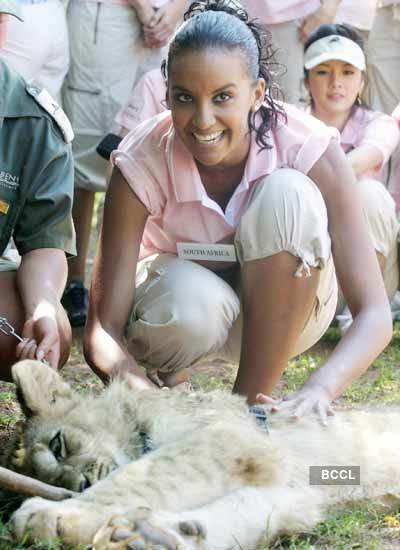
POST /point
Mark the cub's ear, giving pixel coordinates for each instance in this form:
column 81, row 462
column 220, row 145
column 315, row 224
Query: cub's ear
column 40, row 389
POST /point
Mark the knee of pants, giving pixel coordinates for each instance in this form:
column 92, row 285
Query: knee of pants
column 286, row 213
column 380, row 215
column 179, row 330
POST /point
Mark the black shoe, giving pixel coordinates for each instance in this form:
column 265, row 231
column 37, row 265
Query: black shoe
column 75, row 301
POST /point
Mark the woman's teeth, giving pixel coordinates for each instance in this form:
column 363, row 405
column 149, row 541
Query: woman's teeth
column 210, row 138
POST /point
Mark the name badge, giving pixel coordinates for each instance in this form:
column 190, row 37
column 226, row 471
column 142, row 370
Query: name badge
column 208, row 252
column 4, row 206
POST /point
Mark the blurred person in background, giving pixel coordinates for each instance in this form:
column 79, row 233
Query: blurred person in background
column 350, row 12
column 290, row 23
column 334, row 66
column 383, row 73
column 112, row 43
column 38, row 49
column 36, row 188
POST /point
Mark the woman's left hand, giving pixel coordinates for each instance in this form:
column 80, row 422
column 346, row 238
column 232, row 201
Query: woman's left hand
column 311, row 398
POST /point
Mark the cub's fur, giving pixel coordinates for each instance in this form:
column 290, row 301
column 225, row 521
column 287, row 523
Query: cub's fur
column 212, row 480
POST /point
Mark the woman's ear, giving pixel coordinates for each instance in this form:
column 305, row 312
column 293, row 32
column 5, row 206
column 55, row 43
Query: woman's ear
column 167, row 98
column 259, row 94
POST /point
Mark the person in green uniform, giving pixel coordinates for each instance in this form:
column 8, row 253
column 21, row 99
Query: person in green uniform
column 36, row 188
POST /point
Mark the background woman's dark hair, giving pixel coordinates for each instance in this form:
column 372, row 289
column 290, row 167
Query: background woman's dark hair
column 225, row 24
column 335, row 29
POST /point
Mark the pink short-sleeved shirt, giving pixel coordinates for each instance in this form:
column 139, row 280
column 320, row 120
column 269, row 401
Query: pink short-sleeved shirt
column 146, row 100
column 163, row 174
column 154, row 3
column 349, row 12
column 366, row 127
column 272, row 12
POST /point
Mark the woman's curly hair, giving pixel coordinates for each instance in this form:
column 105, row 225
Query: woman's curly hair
column 226, row 24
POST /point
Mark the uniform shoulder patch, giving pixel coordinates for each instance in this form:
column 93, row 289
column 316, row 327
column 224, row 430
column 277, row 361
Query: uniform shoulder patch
column 51, row 106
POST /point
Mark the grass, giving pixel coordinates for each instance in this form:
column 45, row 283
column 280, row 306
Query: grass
column 364, row 526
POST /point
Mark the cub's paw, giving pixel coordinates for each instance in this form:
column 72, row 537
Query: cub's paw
column 144, row 533
column 72, row 521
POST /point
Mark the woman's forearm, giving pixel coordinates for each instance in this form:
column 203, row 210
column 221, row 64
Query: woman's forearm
column 369, row 334
column 107, row 355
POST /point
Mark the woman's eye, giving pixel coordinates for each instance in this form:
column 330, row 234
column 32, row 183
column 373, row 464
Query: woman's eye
column 348, row 72
column 222, row 97
column 321, row 72
column 183, row 98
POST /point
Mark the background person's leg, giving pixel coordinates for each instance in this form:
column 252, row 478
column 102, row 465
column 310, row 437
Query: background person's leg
column 107, row 57
column 76, row 298
column 289, row 53
column 383, row 77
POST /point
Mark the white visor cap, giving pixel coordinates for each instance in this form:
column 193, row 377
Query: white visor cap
column 334, row 47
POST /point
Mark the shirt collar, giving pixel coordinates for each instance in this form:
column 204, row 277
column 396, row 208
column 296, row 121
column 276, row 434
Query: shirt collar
column 185, row 176
column 351, row 130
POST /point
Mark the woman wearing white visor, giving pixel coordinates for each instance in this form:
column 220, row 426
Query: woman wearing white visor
column 334, row 66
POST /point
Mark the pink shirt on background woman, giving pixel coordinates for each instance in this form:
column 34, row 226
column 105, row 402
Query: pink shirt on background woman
column 349, row 12
column 272, row 12
column 164, row 176
column 154, row 3
column 146, row 100
column 366, row 127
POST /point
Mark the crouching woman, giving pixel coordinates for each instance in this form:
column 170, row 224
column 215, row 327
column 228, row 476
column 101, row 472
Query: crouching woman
column 229, row 165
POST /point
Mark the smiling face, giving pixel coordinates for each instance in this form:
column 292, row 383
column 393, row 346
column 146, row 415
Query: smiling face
column 334, row 87
column 210, row 94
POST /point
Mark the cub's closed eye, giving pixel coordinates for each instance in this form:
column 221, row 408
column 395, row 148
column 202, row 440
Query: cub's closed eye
column 57, row 446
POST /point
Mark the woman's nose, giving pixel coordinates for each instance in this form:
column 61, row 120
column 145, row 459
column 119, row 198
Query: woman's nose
column 336, row 81
column 204, row 118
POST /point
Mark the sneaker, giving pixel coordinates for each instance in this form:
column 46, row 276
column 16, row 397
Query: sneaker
column 75, row 301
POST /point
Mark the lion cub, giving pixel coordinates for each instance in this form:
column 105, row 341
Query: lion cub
column 162, row 469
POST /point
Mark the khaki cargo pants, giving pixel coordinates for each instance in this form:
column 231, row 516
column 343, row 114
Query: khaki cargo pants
column 184, row 312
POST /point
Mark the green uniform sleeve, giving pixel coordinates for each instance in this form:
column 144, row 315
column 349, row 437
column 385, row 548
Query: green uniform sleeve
column 45, row 219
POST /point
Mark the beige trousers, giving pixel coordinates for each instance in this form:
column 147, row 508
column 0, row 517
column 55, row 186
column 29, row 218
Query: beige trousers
column 383, row 74
column 285, row 39
column 184, row 312
column 383, row 56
